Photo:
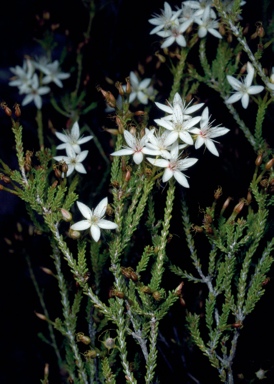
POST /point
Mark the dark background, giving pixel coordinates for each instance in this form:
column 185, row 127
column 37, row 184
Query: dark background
column 119, row 42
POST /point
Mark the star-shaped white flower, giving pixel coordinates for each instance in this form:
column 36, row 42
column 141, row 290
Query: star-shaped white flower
column 174, row 34
column 33, row 92
column 243, row 88
column 165, row 19
column 94, row 219
column 140, row 89
column 23, row 75
column 136, row 147
column 207, row 24
column 72, row 138
column 53, row 73
column 179, row 127
column 186, row 109
column 206, row 133
column 73, row 160
column 174, row 166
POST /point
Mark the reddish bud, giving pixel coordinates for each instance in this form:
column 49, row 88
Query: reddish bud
column 269, row 164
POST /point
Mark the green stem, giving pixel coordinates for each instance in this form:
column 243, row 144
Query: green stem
column 39, row 121
column 178, row 73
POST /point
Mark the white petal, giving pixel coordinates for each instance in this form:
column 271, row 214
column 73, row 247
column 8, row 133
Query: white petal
column 130, row 139
column 100, row 210
column 80, row 168
column 180, row 40
column 75, row 131
column 199, row 142
column 142, row 97
column 82, row 155
column 106, row 224
column 255, row 89
column 158, row 162
column 164, row 107
column 95, row 232
column 167, row 175
column 211, row 147
column 235, row 83
column 62, row 137
column 81, row 225
column 171, row 138
column 181, row 179
column 245, row 100
column 144, row 84
column 85, row 210
column 215, row 33
column 138, row 157
column 169, row 41
column 164, row 123
column 250, row 74
column 233, row 98
column 70, row 170
column 85, row 139
column 123, row 152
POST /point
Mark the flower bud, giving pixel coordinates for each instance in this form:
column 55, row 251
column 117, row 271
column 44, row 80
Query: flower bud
column 66, row 215
column 218, row 193
column 40, row 316
column 269, row 164
column 128, row 86
column 17, row 110
column 90, row 354
column 259, row 160
column 157, row 295
column 64, row 167
column 120, row 88
column 238, row 207
column 178, row 290
column 47, row 271
column 74, row 234
column 127, row 176
column 80, row 337
column 226, row 204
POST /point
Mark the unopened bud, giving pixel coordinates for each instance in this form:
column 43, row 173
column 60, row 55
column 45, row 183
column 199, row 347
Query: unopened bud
column 259, row 160
column 64, row 167
column 74, row 234
column 5, row 178
column 120, row 88
column 41, row 316
column 57, row 173
column 249, row 197
column 218, row 193
column 157, row 295
column 17, row 110
column 128, row 86
column 66, row 215
column 178, row 290
column 54, row 184
column 81, row 337
column 47, row 271
column 238, row 207
column 269, row 164
column 226, row 204
column 128, row 176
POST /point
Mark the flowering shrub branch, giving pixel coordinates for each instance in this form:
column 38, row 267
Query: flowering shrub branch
column 126, row 278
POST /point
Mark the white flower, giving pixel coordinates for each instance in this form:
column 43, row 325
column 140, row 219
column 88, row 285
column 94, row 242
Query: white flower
column 186, row 109
column 73, row 160
column 200, row 7
column 157, row 142
column 207, row 24
column 136, row 147
column 140, row 89
column 164, row 20
column 94, row 219
column 243, row 88
column 174, row 34
column 178, row 126
column 206, row 132
column 72, row 138
column 53, row 73
column 173, row 166
column 23, row 75
column 34, row 92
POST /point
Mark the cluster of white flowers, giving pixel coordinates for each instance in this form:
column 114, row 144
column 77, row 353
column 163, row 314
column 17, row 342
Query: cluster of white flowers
column 177, row 131
column 171, row 24
column 34, row 75
column 71, row 143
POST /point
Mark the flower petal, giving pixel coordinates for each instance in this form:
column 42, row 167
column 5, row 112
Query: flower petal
column 85, row 210
column 95, row 232
column 106, row 224
column 100, row 209
column 81, row 225
column 181, row 179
